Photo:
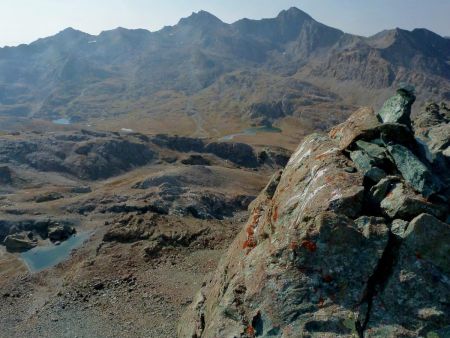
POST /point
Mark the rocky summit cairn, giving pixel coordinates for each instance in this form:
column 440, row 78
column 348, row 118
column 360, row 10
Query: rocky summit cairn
column 352, row 239
column 398, row 108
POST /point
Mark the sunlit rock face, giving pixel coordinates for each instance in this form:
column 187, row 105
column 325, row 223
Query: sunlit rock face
column 351, row 239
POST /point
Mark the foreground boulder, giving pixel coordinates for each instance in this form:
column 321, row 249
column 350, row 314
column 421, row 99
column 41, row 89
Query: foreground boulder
column 330, row 252
column 398, row 108
column 432, row 130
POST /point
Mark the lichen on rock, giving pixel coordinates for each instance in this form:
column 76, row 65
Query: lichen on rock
column 330, row 251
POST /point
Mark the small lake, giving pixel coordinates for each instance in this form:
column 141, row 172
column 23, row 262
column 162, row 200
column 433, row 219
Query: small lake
column 43, row 257
column 62, row 121
column 251, row 132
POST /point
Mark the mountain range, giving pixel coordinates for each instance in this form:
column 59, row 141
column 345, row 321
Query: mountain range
column 210, row 73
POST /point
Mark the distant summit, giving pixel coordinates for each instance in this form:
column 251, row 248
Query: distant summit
column 201, row 19
column 290, row 63
column 294, row 12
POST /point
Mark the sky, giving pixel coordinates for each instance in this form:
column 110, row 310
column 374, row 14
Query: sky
column 23, row 21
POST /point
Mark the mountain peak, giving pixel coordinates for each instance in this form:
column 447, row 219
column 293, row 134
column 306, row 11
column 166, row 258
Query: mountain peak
column 293, row 12
column 70, row 31
column 67, row 35
column 201, row 18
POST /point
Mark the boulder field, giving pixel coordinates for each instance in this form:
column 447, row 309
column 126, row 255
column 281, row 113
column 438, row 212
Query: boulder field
column 351, row 239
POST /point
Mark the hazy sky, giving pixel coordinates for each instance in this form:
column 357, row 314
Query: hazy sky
column 22, row 21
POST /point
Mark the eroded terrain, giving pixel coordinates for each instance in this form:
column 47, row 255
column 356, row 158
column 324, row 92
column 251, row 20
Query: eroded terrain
column 156, row 211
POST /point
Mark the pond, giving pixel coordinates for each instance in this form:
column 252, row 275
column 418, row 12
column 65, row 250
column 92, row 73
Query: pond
column 251, row 132
column 43, row 257
column 62, row 121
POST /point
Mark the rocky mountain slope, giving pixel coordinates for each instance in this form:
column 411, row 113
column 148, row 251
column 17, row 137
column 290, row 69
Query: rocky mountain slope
column 350, row 240
column 209, row 73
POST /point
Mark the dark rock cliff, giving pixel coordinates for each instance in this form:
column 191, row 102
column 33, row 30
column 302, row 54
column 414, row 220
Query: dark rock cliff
column 350, row 240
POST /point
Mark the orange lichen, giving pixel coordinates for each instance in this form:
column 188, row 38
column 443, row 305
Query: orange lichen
column 250, row 331
column 275, row 214
column 321, row 301
column 249, row 243
column 250, row 230
column 309, row 245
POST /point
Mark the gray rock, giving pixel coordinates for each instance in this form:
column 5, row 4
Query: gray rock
column 367, row 163
column 432, row 132
column 19, row 242
column 395, row 133
column 379, row 191
column 196, row 160
column 60, row 232
column 372, row 227
column 47, row 197
column 397, row 109
column 398, row 227
column 413, row 170
column 362, row 161
column 375, row 174
column 430, row 238
column 414, row 301
column 238, row 153
column 403, row 203
column 372, row 149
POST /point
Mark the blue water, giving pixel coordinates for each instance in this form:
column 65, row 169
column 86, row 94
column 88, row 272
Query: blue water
column 43, row 257
column 62, row 121
column 251, row 132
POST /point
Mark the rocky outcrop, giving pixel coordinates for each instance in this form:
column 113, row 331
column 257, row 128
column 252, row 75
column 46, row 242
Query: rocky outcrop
column 189, row 191
column 351, row 240
column 196, row 160
column 278, row 157
column 22, row 235
column 179, row 143
column 239, row 153
column 85, row 154
column 20, row 242
column 265, row 113
column 47, row 197
column 59, row 232
column 159, row 230
column 96, row 160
